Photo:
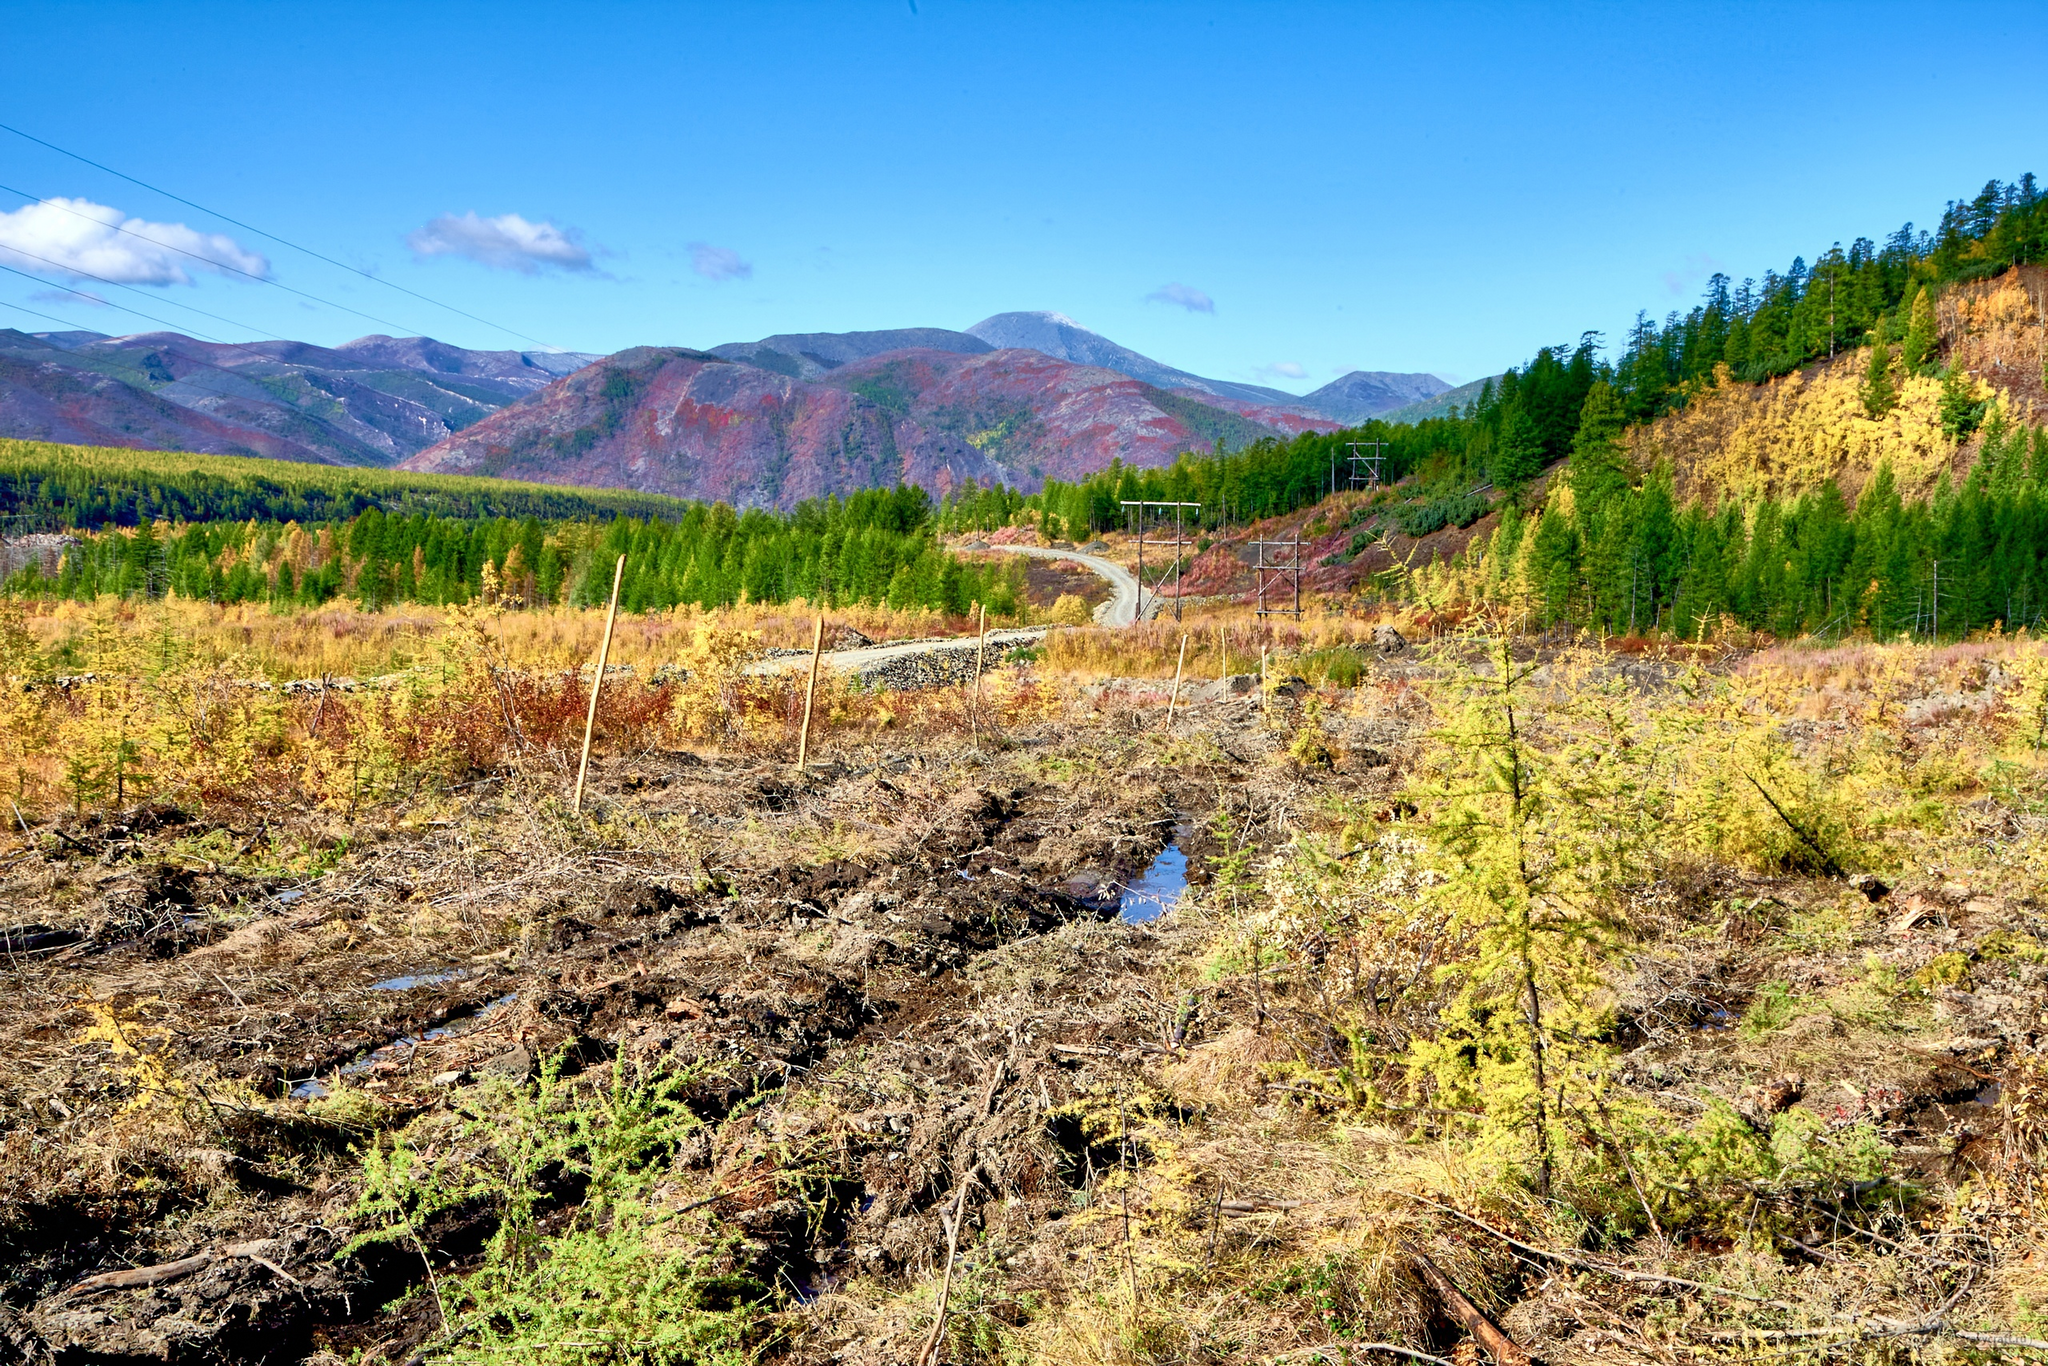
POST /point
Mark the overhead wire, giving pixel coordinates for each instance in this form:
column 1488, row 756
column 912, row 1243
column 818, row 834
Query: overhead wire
column 281, row 241
column 217, row 265
column 175, row 303
column 116, row 365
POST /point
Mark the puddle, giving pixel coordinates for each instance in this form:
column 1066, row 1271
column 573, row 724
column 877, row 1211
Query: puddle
column 1156, row 893
column 1719, row 1022
column 401, row 1050
column 417, row 979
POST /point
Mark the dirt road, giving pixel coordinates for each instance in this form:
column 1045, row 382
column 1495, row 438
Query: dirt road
column 1122, row 607
column 871, row 657
column 1120, row 610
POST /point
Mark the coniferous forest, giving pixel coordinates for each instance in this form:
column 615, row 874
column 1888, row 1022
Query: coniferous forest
column 1627, row 551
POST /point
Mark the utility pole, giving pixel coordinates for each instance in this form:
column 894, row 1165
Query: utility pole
column 1367, row 471
column 1179, row 539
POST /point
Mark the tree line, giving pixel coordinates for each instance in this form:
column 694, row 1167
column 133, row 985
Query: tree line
column 1877, row 295
column 1620, row 556
column 50, row 487
column 877, row 546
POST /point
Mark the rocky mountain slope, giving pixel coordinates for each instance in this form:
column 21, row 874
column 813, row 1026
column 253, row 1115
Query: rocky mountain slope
column 372, row 401
column 1372, row 393
column 699, row 425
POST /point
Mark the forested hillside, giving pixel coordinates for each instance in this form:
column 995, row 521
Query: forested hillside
column 1852, row 445
column 228, row 530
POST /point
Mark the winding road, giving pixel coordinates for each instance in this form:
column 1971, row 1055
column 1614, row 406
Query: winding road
column 1120, row 610
column 1122, row 607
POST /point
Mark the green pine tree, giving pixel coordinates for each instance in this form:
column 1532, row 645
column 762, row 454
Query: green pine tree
column 1880, row 395
column 1599, row 466
column 1923, row 333
column 1517, row 451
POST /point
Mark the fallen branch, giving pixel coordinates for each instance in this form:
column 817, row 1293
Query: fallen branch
column 1469, row 1316
column 138, row 1277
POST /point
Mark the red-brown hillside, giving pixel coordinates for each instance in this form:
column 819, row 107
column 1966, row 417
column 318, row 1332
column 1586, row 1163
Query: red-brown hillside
column 698, row 426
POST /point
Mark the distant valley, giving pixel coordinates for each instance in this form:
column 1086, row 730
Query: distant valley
column 1016, row 398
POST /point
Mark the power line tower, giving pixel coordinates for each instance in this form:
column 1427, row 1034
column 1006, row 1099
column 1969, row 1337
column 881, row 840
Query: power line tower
column 1276, row 569
column 1181, row 512
column 1367, row 471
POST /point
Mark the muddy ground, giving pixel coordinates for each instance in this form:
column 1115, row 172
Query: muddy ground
column 905, row 967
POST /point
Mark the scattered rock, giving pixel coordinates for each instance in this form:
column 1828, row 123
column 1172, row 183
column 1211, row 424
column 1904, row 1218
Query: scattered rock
column 846, row 638
column 1094, row 547
column 1870, row 886
column 1780, row 1093
column 975, row 545
column 454, row 1078
column 1388, row 641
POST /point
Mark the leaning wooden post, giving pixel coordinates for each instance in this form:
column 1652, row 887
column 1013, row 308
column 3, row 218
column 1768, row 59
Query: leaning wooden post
column 1222, row 655
column 980, row 650
column 803, row 738
column 1174, row 696
column 604, row 652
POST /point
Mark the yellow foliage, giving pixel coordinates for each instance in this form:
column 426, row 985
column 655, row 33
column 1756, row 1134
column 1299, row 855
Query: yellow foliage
column 136, row 1048
column 1791, row 435
column 1069, row 610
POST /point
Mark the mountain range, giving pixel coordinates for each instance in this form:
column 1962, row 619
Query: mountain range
column 372, row 401
column 1016, row 398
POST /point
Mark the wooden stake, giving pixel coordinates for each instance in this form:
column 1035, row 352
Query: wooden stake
column 803, row 739
column 980, row 649
column 929, row 1354
column 1174, row 696
column 1222, row 655
column 604, row 652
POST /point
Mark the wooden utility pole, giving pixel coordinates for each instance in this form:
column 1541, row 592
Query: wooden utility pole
column 604, row 653
column 803, row 737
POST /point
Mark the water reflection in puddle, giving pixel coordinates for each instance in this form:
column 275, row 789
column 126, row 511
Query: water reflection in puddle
column 1155, row 893
column 400, row 1050
column 417, row 979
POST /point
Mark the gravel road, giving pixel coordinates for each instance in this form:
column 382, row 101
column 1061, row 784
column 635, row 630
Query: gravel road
column 1122, row 607
column 907, row 663
column 949, row 659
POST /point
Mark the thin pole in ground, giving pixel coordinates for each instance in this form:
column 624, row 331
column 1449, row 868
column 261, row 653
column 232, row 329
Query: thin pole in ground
column 604, row 653
column 803, row 738
column 980, row 649
column 1174, row 696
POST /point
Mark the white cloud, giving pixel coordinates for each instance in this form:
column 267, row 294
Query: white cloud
column 507, row 242
column 1184, row 296
column 83, row 239
column 718, row 263
column 1285, row 369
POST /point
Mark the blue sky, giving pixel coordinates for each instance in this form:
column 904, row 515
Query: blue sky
column 1276, row 193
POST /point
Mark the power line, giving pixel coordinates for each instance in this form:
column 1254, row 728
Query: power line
column 246, row 227
column 208, row 260
column 116, row 365
column 94, row 298
column 144, row 374
column 88, row 275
